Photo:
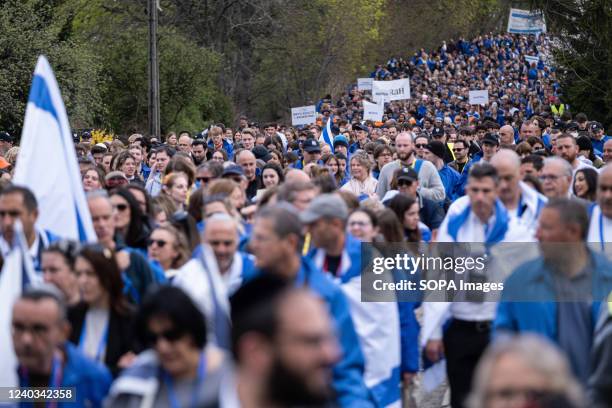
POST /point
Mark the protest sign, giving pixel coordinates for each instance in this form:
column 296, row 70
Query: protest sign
column 303, row 115
column 386, row 91
column 364, row 84
column 480, row 97
column 373, row 111
column 526, row 22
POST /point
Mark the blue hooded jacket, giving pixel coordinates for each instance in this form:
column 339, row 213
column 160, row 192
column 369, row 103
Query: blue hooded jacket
column 90, row 380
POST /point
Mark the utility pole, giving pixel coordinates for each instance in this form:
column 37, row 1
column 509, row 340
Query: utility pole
column 154, row 126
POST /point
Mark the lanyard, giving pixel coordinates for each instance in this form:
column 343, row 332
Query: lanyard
column 55, row 381
column 521, row 207
column 173, row 399
column 101, row 345
column 601, row 230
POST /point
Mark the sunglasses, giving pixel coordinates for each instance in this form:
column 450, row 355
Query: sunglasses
column 203, row 179
column 12, row 214
column 159, row 242
column 171, row 335
column 421, row 146
column 459, row 149
column 219, row 242
column 121, row 207
column 406, row 183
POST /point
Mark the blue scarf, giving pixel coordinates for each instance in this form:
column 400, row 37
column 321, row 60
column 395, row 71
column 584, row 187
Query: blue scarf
column 495, row 235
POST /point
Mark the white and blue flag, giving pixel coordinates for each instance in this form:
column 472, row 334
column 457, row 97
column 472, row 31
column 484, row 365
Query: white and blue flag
column 17, row 274
column 47, row 162
column 327, row 135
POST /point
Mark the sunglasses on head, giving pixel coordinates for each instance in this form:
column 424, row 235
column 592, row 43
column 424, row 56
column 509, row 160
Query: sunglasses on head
column 159, row 242
column 171, row 335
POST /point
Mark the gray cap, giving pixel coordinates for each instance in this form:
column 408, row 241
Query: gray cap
column 325, row 206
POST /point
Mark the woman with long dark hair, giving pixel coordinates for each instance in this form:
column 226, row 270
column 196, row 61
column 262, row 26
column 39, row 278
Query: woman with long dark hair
column 102, row 321
column 585, row 184
column 130, row 223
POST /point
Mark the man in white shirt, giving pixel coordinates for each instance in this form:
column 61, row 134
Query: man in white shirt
column 521, row 201
column 478, row 217
column 600, row 225
column 567, row 148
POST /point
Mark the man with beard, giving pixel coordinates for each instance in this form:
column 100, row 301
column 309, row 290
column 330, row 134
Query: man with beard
column 460, row 149
column 198, row 151
column 276, row 242
column 283, row 344
column 559, row 294
column 600, row 226
column 430, row 184
column 567, row 148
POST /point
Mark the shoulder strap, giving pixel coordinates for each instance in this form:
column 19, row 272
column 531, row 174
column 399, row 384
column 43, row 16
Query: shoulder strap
column 417, row 165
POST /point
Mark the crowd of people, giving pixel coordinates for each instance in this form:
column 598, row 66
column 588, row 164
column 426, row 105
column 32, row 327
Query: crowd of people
column 228, row 268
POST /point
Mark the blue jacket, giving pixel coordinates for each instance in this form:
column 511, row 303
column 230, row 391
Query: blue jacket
column 227, row 146
column 348, row 372
column 451, row 180
column 533, row 281
column 90, row 380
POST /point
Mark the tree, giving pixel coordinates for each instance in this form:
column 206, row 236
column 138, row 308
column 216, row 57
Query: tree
column 29, row 28
column 582, row 53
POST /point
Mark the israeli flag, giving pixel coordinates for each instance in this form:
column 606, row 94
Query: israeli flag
column 327, row 135
column 47, row 162
column 17, row 274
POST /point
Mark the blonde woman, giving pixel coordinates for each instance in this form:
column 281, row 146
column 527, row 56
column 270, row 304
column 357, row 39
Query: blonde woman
column 361, row 182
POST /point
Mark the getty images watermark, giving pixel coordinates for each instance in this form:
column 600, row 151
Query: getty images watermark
column 476, row 272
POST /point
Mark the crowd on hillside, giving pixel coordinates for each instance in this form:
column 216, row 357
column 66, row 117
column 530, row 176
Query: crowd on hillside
column 230, row 262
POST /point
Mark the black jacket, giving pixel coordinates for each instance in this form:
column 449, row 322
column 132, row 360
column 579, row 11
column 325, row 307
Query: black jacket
column 120, row 334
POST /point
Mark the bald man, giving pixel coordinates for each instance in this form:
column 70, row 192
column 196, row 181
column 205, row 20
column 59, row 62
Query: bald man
column 246, row 160
column 296, row 175
column 607, row 152
column 600, row 226
column 521, row 201
column 506, row 135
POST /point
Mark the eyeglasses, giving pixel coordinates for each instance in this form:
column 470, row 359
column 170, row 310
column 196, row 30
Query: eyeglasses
column 549, row 177
column 37, row 330
column 358, row 224
column 458, row 149
column 420, row 146
column 12, row 214
column 203, row 179
column 159, row 242
column 171, row 335
column 402, row 183
column 215, row 243
column 121, row 207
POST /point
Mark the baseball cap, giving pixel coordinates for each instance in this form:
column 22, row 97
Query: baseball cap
column 325, row 206
column 86, row 135
column 262, row 153
column 6, row 137
column 437, row 131
column 340, row 140
column 359, row 126
column 233, row 170
column 596, row 126
column 490, row 138
column 311, row 146
column 407, row 173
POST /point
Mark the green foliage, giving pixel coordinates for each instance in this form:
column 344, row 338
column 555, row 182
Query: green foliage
column 28, row 29
column 583, row 53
